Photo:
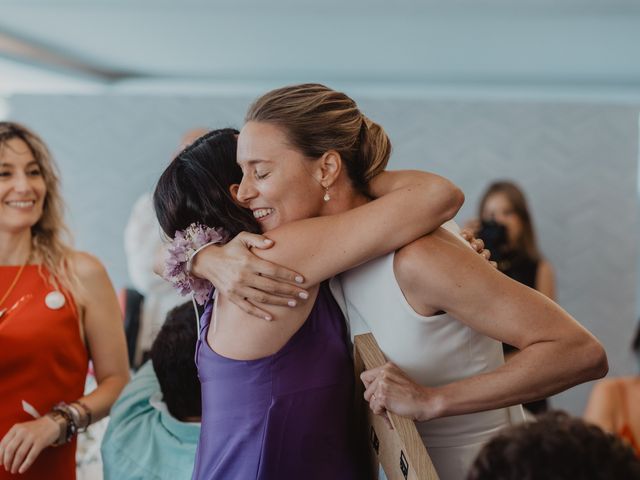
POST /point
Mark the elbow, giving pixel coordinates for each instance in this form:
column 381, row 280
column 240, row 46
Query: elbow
column 595, row 364
column 455, row 202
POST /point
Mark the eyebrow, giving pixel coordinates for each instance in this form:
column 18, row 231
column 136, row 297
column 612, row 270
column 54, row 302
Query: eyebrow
column 253, row 162
column 32, row 162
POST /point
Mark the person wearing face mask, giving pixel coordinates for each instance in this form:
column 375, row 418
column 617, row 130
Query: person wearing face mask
column 58, row 310
column 614, row 404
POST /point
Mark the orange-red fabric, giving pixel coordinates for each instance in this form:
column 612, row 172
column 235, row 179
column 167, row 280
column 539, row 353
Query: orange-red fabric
column 43, row 361
column 625, row 431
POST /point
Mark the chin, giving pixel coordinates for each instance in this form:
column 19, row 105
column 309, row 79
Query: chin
column 18, row 225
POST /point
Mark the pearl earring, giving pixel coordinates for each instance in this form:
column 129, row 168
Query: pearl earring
column 326, row 197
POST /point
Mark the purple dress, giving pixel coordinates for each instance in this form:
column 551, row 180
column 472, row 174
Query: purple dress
column 285, row 416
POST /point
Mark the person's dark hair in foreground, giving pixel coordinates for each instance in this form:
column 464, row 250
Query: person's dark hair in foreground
column 179, row 198
column 172, row 357
column 556, row 447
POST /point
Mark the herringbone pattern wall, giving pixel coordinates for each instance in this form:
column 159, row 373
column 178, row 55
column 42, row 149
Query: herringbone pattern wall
column 577, row 163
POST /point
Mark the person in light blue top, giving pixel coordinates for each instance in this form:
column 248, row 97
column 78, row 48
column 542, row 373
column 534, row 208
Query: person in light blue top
column 155, row 424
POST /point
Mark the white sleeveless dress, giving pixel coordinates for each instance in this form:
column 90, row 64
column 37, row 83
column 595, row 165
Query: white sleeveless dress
column 433, row 350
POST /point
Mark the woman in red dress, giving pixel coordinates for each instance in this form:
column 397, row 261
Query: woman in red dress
column 58, row 310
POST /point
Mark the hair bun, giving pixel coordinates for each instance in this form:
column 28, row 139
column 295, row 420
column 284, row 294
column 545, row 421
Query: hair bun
column 375, row 148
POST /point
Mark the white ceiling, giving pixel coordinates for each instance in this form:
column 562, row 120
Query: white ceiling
column 242, row 45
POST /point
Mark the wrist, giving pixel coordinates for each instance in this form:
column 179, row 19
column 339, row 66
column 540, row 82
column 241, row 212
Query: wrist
column 59, row 425
column 201, row 258
column 180, row 253
column 433, row 405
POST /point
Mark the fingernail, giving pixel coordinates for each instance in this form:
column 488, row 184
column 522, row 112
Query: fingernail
column 267, row 317
column 292, row 303
column 303, row 295
column 268, row 241
column 299, row 279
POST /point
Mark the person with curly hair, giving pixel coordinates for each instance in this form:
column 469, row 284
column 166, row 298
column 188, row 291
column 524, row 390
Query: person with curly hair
column 58, row 311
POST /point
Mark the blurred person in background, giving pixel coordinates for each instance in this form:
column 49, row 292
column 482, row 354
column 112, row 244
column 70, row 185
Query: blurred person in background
column 155, row 424
column 556, row 447
column 614, row 404
column 146, row 304
column 58, row 310
column 506, row 226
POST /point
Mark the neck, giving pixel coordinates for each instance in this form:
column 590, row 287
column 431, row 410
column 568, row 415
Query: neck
column 343, row 200
column 15, row 247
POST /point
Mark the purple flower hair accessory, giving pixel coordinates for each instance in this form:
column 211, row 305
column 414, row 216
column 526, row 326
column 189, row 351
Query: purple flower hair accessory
column 185, row 244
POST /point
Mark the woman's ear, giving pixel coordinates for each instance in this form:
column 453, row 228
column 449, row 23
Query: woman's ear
column 233, row 189
column 330, row 166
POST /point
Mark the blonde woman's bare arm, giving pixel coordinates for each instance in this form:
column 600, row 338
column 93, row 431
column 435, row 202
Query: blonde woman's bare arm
column 104, row 333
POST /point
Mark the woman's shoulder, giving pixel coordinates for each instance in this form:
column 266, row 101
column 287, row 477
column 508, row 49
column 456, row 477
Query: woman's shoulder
column 440, row 245
column 85, row 263
column 87, row 267
column 610, row 388
column 545, row 266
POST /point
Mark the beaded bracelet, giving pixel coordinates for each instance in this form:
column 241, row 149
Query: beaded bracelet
column 181, row 251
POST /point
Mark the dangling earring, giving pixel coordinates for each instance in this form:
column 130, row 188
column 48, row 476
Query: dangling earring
column 326, row 197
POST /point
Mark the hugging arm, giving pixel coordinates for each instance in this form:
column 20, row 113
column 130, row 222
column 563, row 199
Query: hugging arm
column 248, row 280
column 324, row 246
column 440, row 273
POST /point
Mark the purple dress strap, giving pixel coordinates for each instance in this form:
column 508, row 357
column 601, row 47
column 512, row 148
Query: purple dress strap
column 285, row 416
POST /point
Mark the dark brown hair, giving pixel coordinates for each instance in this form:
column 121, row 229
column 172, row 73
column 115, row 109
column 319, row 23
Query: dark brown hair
column 527, row 243
column 557, row 447
column 172, row 356
column 195, row 187
column 317, row 119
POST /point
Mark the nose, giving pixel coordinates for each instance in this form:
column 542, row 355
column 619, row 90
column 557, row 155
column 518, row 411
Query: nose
column 21, row 182
column 246, row 191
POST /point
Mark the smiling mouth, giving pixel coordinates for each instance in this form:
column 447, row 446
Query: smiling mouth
column 21, row 204
column 261, row 213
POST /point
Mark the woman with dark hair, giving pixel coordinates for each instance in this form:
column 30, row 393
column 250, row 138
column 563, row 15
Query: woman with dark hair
column 517, row 254
column 614, row 404
column 277, row 396
column 307, row 152
column 507, row 229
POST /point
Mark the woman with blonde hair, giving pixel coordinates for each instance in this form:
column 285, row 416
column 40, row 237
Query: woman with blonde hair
column 58, row 311
column 437, row 309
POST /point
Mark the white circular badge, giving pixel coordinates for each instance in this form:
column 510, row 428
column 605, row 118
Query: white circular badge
column 55, row 300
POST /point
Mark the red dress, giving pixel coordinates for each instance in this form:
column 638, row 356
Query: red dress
column 625, row 431
column 43, row 361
